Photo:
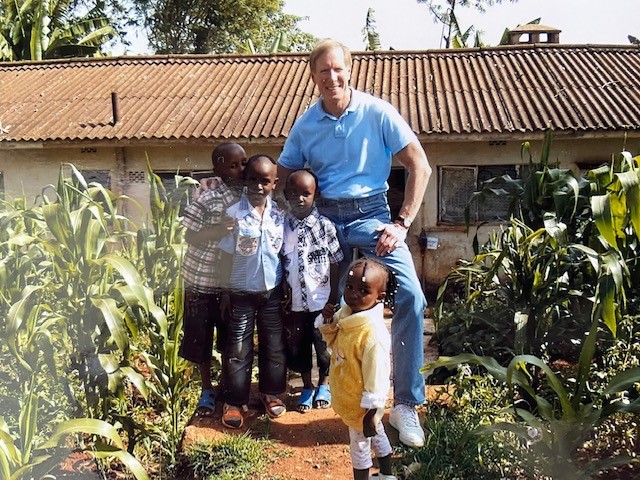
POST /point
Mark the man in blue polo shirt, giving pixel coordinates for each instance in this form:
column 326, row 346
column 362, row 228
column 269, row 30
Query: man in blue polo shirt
column 348, row 139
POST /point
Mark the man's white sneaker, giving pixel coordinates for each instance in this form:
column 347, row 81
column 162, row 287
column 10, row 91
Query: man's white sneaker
column 404, row 418
column 382, row 476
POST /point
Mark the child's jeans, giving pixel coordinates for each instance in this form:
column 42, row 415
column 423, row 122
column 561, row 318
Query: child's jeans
column 361, row 446
column 301, row 338
column 249, row 309
column 201, row 316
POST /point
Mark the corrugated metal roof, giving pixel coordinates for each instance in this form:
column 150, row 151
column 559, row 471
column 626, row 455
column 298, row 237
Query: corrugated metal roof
column 498, row 90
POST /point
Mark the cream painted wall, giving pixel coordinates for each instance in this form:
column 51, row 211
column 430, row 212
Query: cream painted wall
column 28, row 170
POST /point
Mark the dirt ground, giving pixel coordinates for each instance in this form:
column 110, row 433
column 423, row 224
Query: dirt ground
column 313, row 445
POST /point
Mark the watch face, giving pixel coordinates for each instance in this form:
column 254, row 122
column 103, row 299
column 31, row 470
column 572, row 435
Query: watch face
column 406, row 223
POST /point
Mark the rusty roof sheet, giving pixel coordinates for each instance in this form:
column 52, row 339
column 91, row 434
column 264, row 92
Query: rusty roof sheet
column 497, row 90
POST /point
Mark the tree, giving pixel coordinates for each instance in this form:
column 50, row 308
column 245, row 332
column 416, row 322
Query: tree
column 460, row 39
column 443, row 11
column 371, row 37
column 39, row 29
column 205, row 26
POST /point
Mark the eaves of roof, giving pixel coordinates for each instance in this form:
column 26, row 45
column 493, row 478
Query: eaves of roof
column 445, row 95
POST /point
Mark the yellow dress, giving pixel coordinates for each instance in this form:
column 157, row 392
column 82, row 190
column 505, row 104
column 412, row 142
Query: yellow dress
column 360, row 346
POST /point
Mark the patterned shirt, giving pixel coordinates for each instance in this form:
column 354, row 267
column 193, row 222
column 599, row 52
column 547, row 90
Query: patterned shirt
column 255, row 243
column 201, row 262
column 310, row 247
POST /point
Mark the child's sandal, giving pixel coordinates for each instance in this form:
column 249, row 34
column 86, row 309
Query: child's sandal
column 273, row 406
column 305, row 401
column 323, row 397
column 232, row 416
column 207, row 403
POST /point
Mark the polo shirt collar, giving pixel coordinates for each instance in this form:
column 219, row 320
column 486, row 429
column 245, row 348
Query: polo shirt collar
column 353, row 105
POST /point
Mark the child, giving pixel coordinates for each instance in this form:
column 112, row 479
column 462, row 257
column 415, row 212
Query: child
column 360, row 362
column 311, row 255
column 255, row 295
column 203, row 220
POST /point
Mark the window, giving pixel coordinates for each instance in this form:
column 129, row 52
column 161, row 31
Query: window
column 169, row 182
column 456, row 186
column 102, row 177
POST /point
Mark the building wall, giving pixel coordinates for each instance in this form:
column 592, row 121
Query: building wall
column 27, row 170
column 449, row 243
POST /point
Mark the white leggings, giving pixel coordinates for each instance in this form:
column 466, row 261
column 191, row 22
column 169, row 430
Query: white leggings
column 361, row 447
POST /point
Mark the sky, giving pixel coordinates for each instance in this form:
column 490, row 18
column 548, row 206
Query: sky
column 407, row 25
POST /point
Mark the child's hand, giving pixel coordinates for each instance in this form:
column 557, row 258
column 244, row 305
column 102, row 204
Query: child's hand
column 228, row 222
column 328, row 311
column 286, row 299
column 207, row 183
column 369, row 423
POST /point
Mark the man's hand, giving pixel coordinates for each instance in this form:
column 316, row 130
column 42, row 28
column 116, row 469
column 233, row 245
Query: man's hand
column 390, row 238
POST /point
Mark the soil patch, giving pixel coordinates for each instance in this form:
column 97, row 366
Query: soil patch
column 313, row 445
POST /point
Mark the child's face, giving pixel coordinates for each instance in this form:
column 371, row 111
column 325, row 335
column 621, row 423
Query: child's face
column 361, row 295
column 301, row 193
column 229, row 167
column 260, row 179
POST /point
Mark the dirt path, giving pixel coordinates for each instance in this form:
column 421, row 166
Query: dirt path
column 314, row 445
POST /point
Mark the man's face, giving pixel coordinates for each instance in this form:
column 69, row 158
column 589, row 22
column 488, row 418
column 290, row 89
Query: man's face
column 332, row 75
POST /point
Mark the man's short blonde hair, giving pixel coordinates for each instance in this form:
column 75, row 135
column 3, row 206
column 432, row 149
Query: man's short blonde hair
column 324, row 46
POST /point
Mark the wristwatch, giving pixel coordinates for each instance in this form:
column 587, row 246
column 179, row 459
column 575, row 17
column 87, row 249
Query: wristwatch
column 403, row 222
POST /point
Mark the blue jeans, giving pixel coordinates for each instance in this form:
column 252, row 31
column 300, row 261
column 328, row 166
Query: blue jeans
column 249, row 309
column 356, row 221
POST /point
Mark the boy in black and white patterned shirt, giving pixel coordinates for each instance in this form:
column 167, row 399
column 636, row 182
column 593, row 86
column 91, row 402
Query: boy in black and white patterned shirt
column 311, row 256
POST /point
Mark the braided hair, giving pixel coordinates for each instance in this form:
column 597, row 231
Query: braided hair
column 391, row 286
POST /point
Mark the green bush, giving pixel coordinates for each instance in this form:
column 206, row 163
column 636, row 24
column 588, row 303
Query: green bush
column 452, row 451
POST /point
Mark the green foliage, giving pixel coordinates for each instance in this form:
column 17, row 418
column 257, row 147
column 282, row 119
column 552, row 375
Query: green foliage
column 561, row 423
column 91, row 318
column 28, row 459
column 444, row 12
column 567, row 256
column 40, row 29
column 197, row 26
column 371, row 36
column 233, row 457
column 160, row 251
column 451, row 452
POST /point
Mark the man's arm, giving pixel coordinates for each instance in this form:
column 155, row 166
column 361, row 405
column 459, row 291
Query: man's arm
column 413, row 158
column 283, row 174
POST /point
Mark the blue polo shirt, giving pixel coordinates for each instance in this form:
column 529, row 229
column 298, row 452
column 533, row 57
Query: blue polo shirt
column 351, row 155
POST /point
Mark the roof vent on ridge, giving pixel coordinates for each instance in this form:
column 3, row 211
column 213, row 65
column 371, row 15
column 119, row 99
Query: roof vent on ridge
column 532, row 33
